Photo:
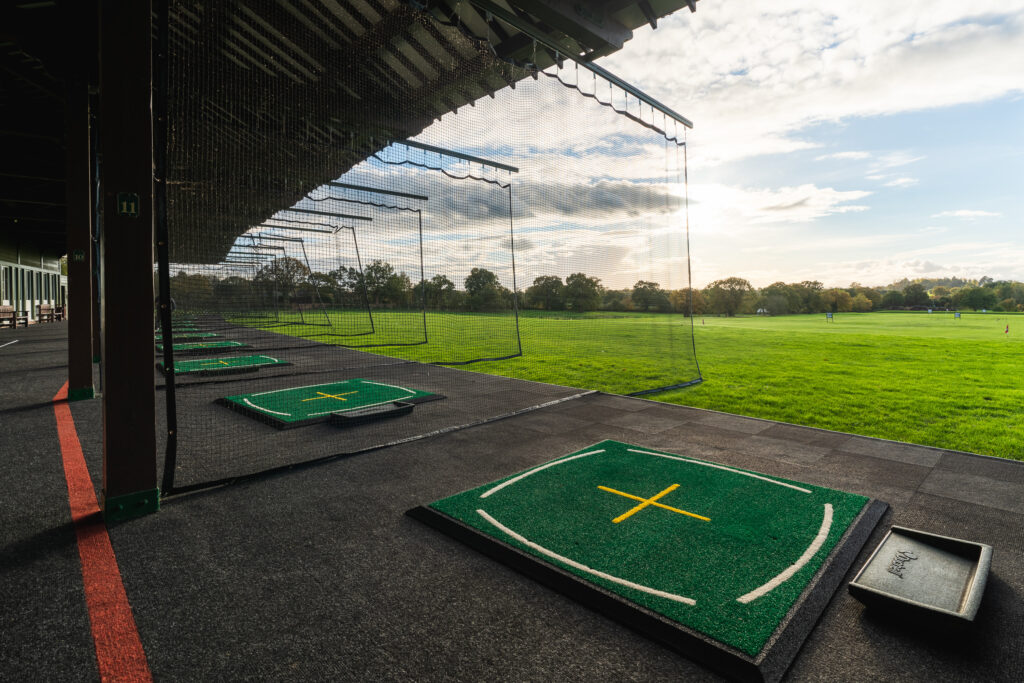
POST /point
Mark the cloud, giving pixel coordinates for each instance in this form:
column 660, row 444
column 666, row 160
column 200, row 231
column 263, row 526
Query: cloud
column 754, row 76
column 965, row 213
column 895, row 159
column 922, row 267
column 725, row 209
column 902, row 182
column 853, row 156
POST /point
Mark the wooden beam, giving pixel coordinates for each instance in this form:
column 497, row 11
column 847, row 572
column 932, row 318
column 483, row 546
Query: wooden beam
column 587, row 23
column 129, row 401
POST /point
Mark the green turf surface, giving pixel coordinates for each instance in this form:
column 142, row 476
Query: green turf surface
column 916, row 377
column 194, row 347
column 227, row 364
column 317, row 402
column 732, row 574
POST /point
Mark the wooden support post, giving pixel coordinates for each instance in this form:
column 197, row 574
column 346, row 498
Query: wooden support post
column 126, row 138
column 78, row 198
column 94, row 107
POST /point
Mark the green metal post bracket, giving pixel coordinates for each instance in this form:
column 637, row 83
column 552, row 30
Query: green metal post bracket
column 131, row 505
column 81, row 393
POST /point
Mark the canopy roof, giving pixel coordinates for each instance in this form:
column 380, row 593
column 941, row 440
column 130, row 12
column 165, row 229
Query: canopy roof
column 365, row 72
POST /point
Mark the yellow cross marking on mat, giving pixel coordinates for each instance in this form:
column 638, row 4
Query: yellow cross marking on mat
column 216, row 362
column 644, row 502
column 323, row 395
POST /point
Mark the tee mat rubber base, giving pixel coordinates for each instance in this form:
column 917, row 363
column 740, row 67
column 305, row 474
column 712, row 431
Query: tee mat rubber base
column 224, row 365
column 183, row 335
column 729, row 567
column 347, row 403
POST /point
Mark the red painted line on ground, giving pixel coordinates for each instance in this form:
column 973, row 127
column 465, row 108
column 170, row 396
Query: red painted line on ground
column 119, row 652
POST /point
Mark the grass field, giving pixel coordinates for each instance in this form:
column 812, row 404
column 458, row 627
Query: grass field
column 915, row 377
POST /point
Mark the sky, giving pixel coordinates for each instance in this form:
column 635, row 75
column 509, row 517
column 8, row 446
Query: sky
column 846, row 142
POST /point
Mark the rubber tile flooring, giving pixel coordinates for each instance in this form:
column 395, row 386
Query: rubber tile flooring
column 315, row 573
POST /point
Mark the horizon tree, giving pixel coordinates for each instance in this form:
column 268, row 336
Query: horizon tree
column 484, row 292
column 547, row 292
column 728, row 295
column 282, row 276
column 915, row 294
column 582, row 293
column 647, row 295
column 892, row 299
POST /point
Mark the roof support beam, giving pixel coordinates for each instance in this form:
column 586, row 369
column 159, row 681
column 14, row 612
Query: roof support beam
column 586, row 23
column 525, row 27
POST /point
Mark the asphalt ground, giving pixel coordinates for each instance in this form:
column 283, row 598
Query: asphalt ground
column 316, row 572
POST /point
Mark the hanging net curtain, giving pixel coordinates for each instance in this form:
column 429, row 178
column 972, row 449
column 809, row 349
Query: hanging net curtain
column 395, row 198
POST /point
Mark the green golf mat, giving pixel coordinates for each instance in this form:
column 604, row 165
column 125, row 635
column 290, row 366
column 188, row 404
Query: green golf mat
column 204, row 347
column 711, row 555
column 357, row 398
column 223, row 365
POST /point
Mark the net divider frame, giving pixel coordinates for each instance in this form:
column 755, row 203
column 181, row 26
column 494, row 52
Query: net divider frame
column 324, row 213
column 423, row 293
column 302, row 245
column 292, row 227
column 539, row 37
column 364, row 188
column 457, row 155
column 359, row 263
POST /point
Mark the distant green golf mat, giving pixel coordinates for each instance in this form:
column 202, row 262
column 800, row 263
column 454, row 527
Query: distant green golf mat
column 722, row 551
column 223, row 365
column 317, row 402
column 200, row 347
column 189, row 335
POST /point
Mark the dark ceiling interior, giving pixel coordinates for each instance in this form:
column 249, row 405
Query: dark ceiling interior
column 376, row 67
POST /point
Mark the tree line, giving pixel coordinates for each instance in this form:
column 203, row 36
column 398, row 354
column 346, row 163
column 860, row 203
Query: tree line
column 286, row 281
column 735, row 295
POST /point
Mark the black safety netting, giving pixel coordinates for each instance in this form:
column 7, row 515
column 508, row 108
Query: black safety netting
column 383, row 227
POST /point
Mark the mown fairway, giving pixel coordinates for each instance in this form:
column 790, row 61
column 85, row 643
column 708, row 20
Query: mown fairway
column 914, row 377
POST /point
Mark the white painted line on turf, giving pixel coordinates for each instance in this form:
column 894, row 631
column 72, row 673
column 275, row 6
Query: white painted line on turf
column 389, row 386
column 584, row 568
column 812, row 549
column 9, row 343
column 410, row 392
column 524, row 475
column 265, row 410
column 722, row 467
